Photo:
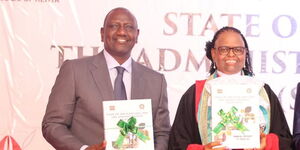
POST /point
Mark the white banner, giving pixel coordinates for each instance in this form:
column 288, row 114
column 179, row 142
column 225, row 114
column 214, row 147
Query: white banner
column 38, row 35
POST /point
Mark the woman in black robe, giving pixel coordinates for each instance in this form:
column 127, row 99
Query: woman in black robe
column 229, row 55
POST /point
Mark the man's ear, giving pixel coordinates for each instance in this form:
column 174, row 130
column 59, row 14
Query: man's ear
column 137, row 36
column 102, row 34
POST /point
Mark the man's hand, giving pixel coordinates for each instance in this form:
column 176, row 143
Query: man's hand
column 101, row 146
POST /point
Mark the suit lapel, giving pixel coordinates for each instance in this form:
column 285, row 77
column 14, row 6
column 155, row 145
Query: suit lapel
column 137, row 84
column 101, row 76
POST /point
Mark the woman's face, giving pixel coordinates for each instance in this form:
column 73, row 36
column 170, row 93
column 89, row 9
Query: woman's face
column 229, row 53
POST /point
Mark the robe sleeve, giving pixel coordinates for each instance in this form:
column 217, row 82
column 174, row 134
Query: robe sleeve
column 184, row 130
column 278, row 123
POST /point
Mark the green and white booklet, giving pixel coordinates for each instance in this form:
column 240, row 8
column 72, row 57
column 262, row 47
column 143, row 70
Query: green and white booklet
column 235, row 111
column 128, row 124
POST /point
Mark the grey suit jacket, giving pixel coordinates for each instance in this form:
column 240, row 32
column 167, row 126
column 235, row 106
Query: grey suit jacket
column 74, row 115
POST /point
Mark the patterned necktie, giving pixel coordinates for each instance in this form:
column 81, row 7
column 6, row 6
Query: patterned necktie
column 119, row 88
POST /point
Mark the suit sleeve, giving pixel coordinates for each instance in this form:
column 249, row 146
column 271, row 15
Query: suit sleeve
column 279, row 124
column 184, row 130
column 162, row 119
column 59, row 111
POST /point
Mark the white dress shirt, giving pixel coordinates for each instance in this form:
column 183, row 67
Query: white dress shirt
column 111, row 64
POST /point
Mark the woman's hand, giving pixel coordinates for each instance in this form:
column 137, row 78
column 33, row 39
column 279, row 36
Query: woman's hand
column 263, row 142
column 210, row 146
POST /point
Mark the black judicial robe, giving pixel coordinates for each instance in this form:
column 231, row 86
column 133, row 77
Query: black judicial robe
column 296, row 128
column 185, row 128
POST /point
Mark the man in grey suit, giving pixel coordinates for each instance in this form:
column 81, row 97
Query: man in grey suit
column 74, row 115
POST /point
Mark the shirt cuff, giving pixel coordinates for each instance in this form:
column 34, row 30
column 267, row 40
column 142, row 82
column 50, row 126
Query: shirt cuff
column 84, row 147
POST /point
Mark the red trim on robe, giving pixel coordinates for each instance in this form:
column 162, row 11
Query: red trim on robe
column 199, row 89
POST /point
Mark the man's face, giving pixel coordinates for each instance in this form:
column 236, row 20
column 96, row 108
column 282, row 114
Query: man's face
column 119, row 33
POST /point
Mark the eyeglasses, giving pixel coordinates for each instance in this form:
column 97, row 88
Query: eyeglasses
column 224, row 50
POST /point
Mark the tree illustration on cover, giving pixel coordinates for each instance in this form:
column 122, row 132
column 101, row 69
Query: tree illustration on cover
column 129, row 134
column 228, row 120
